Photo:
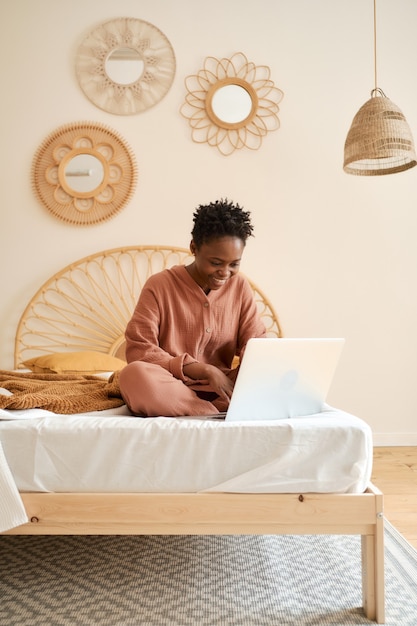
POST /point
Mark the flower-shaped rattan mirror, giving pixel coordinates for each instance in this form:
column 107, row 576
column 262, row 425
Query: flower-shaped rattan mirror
column 231, row 103
column 125, row 66
column 84, row 173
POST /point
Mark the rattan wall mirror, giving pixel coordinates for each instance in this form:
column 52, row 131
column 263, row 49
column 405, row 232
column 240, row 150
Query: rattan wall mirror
column 84, row 173
column 125, row 65
column 231, row 103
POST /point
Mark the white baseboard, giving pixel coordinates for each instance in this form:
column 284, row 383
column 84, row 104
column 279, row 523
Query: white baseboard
column 395, row 439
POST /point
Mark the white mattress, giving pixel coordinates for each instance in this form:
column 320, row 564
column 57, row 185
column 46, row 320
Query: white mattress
column 110, row 451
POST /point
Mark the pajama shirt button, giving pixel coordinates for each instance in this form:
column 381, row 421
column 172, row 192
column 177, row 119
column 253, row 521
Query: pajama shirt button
column 208, row 330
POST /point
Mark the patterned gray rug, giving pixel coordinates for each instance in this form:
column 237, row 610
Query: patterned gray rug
column 197, row 581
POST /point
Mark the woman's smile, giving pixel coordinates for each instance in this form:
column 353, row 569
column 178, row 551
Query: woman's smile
column 219, row 281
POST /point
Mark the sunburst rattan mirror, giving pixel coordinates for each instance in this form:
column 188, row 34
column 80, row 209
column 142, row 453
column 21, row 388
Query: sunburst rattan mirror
column 125, row 66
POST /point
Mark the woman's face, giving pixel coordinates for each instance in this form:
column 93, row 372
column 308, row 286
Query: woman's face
column 216, row 262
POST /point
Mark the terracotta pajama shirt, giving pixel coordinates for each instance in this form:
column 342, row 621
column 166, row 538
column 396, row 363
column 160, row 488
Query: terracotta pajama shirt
column 175, row 323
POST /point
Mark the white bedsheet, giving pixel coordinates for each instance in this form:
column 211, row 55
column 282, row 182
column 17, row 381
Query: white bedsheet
column 12, row 511
column 111, row 451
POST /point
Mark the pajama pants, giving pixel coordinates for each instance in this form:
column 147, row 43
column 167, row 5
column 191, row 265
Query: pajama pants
column 150, row 390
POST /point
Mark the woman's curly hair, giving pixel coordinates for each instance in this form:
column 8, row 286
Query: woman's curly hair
column 220, row 219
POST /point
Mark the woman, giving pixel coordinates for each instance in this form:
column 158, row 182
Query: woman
column 190, row 322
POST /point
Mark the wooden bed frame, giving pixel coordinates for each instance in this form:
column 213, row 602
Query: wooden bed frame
column 87, row 306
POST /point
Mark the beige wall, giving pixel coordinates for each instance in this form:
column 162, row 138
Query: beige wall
column 335, row 253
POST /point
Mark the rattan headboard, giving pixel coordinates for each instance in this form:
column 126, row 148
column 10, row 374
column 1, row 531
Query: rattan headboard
column 87, row 305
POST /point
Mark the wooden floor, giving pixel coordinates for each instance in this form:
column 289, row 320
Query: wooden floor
column 395, row 474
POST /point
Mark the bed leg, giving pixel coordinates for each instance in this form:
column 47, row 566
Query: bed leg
column 373, row 575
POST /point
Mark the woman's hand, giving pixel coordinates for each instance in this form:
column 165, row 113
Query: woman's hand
column 220, row 383
column 210, row 375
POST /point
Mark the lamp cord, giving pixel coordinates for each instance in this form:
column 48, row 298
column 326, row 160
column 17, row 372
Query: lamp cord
column 375, row 68
column 376, row 91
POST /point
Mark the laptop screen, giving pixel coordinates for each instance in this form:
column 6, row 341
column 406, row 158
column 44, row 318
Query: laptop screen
column 283, row 378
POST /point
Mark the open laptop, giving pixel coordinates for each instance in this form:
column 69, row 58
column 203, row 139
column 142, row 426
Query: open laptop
column 282, row 378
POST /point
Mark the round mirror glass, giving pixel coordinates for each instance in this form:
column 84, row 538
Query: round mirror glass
column 84, row 173
column 232, row 104
column 124, row 66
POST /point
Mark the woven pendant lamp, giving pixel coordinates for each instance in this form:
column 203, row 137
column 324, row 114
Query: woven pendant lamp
column 379, row 140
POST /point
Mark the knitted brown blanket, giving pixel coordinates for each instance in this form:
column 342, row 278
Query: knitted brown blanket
column 60, row 393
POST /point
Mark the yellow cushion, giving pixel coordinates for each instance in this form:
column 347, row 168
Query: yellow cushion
column 86, row 362
column 121, row 351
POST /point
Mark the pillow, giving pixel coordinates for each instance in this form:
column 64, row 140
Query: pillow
column 121, row 351
column 86, row 362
